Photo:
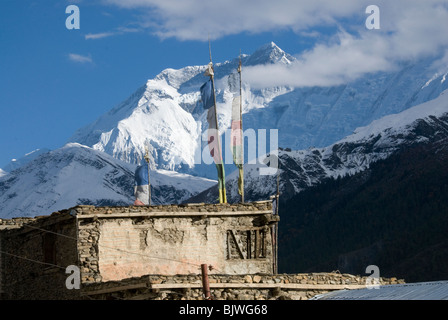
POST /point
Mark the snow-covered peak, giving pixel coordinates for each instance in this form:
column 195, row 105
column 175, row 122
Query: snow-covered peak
column 3, row 173
column 17, row 163
column 269, row 53
column 176, row 77
column 77, row 174
column 167, row 115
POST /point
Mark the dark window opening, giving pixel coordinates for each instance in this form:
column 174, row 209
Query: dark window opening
column 49, row 248
column 246, row 244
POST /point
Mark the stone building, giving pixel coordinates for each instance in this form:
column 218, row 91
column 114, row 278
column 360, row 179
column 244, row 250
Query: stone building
column 154, row 253
column 113, row 244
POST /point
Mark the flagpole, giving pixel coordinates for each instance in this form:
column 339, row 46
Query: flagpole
column 210, row 48
column 149, row 184
column 242, row 136
column 222, row 197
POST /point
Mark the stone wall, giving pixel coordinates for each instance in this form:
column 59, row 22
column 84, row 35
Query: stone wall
column 114, row 243
column 228, row 287
column 8, row 224
column 123, row 242
column 154, row 253
column 34, row 257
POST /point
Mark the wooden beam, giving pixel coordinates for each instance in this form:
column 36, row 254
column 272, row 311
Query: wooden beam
column 240, row 251
column 257, row 244
column 163, row 214
column 249, row 244
column 287, row 286
column 115, row 289
column 145, row 296
column 263, row 250
column 290, row 286
column 229, row 248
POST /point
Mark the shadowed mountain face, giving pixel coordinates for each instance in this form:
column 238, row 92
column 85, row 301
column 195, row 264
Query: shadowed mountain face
column 393, row 215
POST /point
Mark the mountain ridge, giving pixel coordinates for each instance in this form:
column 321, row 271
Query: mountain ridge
column 305, row 117
column 300, row 169
column 166, row 115
column 77, row 174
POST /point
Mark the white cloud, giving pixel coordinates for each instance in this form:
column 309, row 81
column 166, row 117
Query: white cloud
column 408, row 32
column 80, row 58
column 324, row 65
column 410, row 29
column 195, row 19
column 93, row 36
column 118, row 31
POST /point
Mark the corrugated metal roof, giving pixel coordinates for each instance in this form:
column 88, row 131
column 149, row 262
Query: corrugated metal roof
column 436, row 290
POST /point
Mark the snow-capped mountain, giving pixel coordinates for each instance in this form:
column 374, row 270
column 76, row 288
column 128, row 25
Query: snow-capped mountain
column 17, row 163
column 425, row 123
column 76, row 174
column 166, row 113
column 167, row 116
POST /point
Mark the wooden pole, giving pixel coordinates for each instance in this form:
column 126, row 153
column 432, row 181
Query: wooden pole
column 149, row 183
column 242, row 136
column 276, row 209
column 278, row 187
column 223, row 196
column 274, row 245
column 205, row 283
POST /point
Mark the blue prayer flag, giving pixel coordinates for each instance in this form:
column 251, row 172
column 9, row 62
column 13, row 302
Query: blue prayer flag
column 141, row 175
column 207, row 94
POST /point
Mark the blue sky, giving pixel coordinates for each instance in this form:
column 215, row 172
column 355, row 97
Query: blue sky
column 54, row 80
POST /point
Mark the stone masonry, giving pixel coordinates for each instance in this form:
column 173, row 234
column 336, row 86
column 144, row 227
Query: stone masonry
column 119, row 243
column 154, row 252
column 116, row 243
column 34, row 253
column 229, row 287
